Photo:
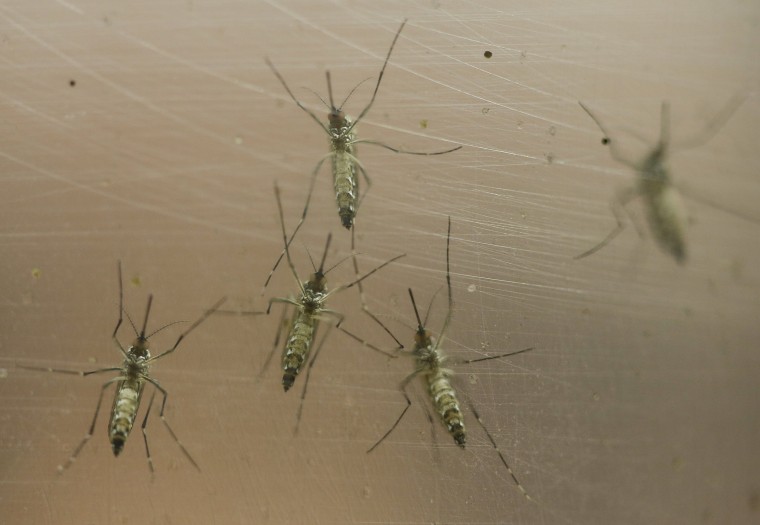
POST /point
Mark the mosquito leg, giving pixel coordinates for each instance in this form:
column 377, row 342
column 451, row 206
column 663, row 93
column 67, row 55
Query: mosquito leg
column 366, row 344
column 300, row 222
column 308, row 376
column 402, row 387
column 618, row 209
column 87, row 436
column 406, row 152
column 285, row 85
column 501, row 456
column 433, row 438
column 281, row 329
column 169, row 428
column 616, row 153
column 192, row 327
column 500, row 356
column 71, row 372
column 145, row 433
column 363, row 300
column 363, row 172
column 286, row 300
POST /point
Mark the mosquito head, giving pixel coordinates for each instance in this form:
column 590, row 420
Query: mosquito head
column 139, row 348
column 318, row 281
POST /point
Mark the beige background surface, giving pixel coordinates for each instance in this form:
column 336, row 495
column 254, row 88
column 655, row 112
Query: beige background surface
column 640, row 402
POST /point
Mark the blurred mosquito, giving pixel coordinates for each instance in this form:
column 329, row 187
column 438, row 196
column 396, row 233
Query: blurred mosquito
column 664, row 209
column 340, row 130
column 308, row 310
column 132, row 377
column 432, row 364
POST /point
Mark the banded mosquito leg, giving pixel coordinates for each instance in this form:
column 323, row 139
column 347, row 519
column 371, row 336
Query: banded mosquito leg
column 308, row 376
column 402, row 387
column 488, row 358
column 313, row 178
column 362, row 298
column 168, row 427
column 90, row 431
column 282, row 326
column 618, row 207
column 340, row 317
column 145, row 432
column 406, row 152
column 501, row 456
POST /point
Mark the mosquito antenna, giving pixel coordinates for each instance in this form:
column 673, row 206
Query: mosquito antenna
column 192, row 327
column 285, row 236
column 420, row 326
column 324, row 255
column 310, row 259
column 379, row 77
column 360, row 279
column 317, row 95
column 129, row 317
column 285, row 85
column 352, row 92
column 165, row 326
column 147, row 313
column 430, row 306
column 331, row 268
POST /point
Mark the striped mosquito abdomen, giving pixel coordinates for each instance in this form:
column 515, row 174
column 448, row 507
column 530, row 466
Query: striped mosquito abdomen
column 344, row 178
column 666, row 216
column 125, row 405
column 445, row 401
column 297, row 347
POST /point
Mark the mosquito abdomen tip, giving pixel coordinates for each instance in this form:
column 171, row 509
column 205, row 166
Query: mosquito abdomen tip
column 287, row 381
column 117, row 445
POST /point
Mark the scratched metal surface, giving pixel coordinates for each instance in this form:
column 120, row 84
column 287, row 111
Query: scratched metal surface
column 152, row 132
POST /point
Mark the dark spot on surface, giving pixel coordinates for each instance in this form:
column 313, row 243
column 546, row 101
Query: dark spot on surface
column 488, row 54
column 605, row 141
column 72, row 82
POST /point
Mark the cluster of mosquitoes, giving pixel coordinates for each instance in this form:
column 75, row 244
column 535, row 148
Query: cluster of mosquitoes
column 309, row 307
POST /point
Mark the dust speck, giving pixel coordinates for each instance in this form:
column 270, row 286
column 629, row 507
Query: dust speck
column 472, row 288
column 488, row 54
column 135, row 281
column 424, row 123
column 36, row 273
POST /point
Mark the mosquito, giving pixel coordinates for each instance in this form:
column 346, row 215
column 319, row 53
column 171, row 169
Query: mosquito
column 432, row 365
column 343, row 141
column 133, row 375
column 309, row 308
column 662, row 201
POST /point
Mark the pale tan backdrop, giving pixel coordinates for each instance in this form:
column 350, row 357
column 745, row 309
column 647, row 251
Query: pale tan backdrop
column 152, row 132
